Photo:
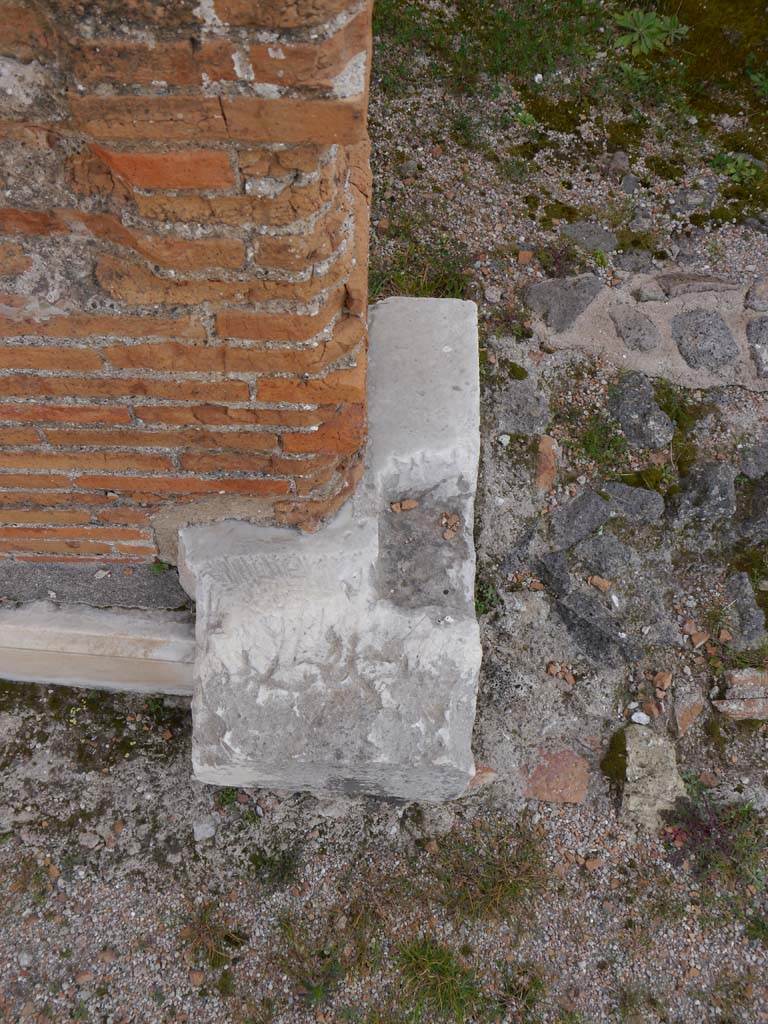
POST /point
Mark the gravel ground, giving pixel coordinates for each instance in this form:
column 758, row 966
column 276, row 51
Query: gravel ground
column 133, row 894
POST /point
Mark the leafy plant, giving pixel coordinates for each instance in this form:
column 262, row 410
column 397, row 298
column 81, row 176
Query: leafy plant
column 760, row 81
column 646, row 31
column 739, row 168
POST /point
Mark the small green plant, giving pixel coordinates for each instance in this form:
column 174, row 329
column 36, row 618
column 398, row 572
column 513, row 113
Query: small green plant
column 464, row 130
column 313, row 965
column 525, row 119
column 648, row 32
column 225, row 983
column 759, row 80
column 436, row 980
column 486, row 595
column 209, row 938
column 741, row 169
column 727, row 844
column 275, row 869
column 159, row 567
column 601, row 441
column 756, row 928
column 523, row 987
column 227, row 796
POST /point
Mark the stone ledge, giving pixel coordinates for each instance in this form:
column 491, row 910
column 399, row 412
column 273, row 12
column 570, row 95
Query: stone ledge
column 143, row 652
column 347, row 661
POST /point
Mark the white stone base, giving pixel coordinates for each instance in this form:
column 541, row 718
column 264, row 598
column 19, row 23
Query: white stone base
column 347, row 661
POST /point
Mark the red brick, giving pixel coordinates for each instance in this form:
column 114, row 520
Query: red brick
column 156, row 118
column 64, row 414
column 205, row 439
column 308, row 515
column 225, row 462
column 344, row 434
column 296, row 202
column 13, row 260
column 338, row 122
column 177, row 63
column 23, row 33
column 180, row 169
column 313, row 64
column 113, row 387
column 133, row 283
column 24, row 480
column 50, row 498
column 84, row 325
column 340, row 386
column 38, row 357
column 265, row 162
column 219, row 415
column 278, row 326
column 268, row 14
column 123, row 515
column 48, row 546
column 79, row 461
column 43, row 517
column 18, row 436
column 167, row 251
column 297, row 252
column 184, row 485
column 170, row 356
column 346, row 337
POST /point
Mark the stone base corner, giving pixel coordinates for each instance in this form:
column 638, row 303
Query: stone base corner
column 347, row 661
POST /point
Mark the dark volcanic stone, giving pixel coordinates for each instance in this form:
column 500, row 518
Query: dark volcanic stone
column 757, row 336
column 561, row 301
column 635, row 504
column 590, row 236
column 523, row 409
column 579, row 518
column 633, row 404
column 746, row 617
column 754, row 461
column 604, row 555
column 707, row 494
column 674, row 285
column 552, row 570
column 596, row 631
column 638, row 332
column 704, row 340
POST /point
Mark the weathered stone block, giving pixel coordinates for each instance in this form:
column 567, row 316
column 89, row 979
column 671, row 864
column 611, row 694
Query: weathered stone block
column 347, row 662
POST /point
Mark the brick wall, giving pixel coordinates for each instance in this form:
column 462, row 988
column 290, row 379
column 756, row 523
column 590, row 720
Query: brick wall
column 183, row 239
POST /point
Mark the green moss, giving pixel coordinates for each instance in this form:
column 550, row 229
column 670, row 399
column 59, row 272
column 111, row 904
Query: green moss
column 669, row 170
column 713, row 729
column 558, row 211
column 685, row 413
column 636, row 241
column 614, row 762
column 560, row 115
column 626, row 135
column 513, row 370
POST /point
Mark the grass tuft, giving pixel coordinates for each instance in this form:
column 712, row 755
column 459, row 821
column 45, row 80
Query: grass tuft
column 436, row 980
column 492, row 874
